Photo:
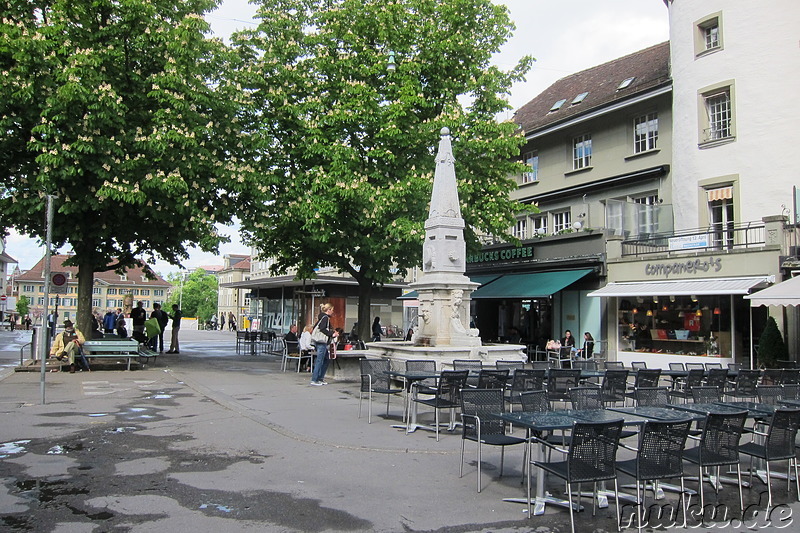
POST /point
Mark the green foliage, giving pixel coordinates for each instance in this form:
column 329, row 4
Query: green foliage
column 124, row 111
column 348, row 145
column 23, row 305
column 771, row 346
column 199, row 294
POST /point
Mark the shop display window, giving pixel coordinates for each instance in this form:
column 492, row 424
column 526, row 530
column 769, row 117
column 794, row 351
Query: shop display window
column 681, row 325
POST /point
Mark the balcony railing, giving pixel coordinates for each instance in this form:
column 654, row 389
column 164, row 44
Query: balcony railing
column 714, row 238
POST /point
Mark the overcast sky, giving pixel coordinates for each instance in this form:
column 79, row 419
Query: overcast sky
column 564, row 36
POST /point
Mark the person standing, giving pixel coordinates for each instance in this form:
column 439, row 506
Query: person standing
column 121, row 325
column 162, row 318
column 176, row 327
column 231, row 321
column 139, row 315
column 109, row 321
column 222, row 321
column 321, row 363
column 376, row 329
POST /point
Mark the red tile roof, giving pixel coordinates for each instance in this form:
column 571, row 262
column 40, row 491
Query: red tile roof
column 134, row 275
column 648, row 67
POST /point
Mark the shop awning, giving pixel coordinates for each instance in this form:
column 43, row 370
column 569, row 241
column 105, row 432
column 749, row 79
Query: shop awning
column 783, row 293
column 681, row 287
column 533, row 285
column 483, row 280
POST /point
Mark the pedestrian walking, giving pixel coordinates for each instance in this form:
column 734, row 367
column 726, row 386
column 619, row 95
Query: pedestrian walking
column 325, row 327
column 376, row 329
column 176, row 326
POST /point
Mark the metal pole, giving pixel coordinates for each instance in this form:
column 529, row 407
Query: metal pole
column 42, row 341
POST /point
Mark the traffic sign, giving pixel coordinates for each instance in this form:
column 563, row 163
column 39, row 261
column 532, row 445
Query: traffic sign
column 2, row 297
column 58, row 283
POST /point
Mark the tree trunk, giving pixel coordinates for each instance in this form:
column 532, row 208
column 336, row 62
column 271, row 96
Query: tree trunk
column 85, row 287
column 364, row 301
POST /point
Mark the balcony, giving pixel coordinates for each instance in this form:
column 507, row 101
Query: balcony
column 714, row 238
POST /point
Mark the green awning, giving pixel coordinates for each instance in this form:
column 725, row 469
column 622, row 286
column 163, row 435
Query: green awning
column 483, row 280
column 534, row 285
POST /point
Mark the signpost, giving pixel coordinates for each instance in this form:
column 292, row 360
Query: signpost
column 58, row 283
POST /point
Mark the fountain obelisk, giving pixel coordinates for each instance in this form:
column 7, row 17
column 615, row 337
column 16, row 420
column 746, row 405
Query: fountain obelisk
column 444, row 291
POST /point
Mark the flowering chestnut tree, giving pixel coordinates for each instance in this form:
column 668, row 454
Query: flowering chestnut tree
column 126, row 113
column 351, row 96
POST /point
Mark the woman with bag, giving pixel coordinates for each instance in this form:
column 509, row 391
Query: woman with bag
column 322, row 335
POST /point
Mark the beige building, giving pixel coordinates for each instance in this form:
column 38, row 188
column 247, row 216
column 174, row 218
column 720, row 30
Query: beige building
column 235, row 268
column 111, row 290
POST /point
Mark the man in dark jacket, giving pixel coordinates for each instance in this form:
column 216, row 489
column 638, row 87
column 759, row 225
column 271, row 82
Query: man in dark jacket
column 162, row 319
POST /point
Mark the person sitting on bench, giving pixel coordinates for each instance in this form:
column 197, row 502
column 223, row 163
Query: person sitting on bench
column 67, row 344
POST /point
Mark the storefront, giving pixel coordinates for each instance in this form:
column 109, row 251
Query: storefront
column 536, row 291
column 687, row 310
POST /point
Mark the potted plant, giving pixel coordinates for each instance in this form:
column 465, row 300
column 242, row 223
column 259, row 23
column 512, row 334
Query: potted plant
column 771, row 346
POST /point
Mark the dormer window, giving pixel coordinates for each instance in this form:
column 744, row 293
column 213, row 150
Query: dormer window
column 558, row 105
column 624, row 84
column 123, row 277
column 578, row 99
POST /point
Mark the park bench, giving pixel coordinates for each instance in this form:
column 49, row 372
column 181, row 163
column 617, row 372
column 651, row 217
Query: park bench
column 118, row 349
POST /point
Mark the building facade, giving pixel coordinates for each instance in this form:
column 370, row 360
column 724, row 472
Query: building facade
column 110, row 290
column 235, row 268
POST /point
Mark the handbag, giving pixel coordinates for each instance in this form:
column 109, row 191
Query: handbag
column 318, row 336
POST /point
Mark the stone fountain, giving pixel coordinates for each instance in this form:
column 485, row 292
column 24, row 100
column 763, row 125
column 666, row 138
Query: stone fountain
column 443, row 333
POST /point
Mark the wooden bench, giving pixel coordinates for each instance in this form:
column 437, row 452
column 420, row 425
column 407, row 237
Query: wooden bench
column 117, row 349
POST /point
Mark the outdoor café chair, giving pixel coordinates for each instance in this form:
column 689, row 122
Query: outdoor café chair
column 584, row 364
column 791, row 392
column 676, row 366
column 710, row 366
column 586, row 397
column 778, row 445
column 591, row 458
column 614, row 365
column 772, row 376
column 473, row 366
column 292, row 352
column 523, row 381
column 744, row 387
column 646, row 377
column 534, row 401
column 791, row 376
column 374, row 380
column 692, row 366
column 693, row 379
column 614, row 386
column 421, row 386
column 559, row 381
column 659, row 456
column 512, row 366
column 490, row 378
column 706, row 394
column 447, row 395
column 717, row 377
column 718, row 445
column 480, row 426
column 734, row 367
column 638, row 365
column 651, row 396
column 769, row 394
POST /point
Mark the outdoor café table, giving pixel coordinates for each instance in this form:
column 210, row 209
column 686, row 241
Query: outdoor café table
column 790, row 403
column 555, row 420
column 409, row 377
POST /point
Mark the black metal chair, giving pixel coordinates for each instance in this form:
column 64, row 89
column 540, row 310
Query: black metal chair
column 791, row 392
column 374, row 380
column 644, row 378
column 447, row 395
column 523, row 381
column 695, row 366
column 676, row 366
column 512, row 366
column 744, row 387
column 652, row 396
column 734, row 367
column 769, row 394
column 586, row 397
column 614, row 386
column 717, row 377
column 693, row 379
column 718, row 446
column 291, row 351
column 638, row 365
column 706, row 394
column 772, row 376
column 712, row 366
column 490, row 378
column 584, row 364
column 591, row 458
column 473, row 366
column 659, row 456
column 477, row 408
column 614, row 365
column 559, row 381
column 534, row 401
column 790, row 376
column 779, row 444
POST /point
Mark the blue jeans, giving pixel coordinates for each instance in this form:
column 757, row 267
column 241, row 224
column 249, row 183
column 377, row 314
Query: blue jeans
column 321, row 363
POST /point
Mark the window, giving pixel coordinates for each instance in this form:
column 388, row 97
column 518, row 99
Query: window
column 647, row 208
column 95, row 302
column 540, row 225
column 531, row 159
column 135, row 292
column 520, row 229
column 111, row 291
column 721, row 216
column 624, row 84
column 145, row 292
column 711, row 33
column 645, row 133
column 615, row 210
column 40, row 301
column 558, row 105
column 718, row 108
column 581, row 152
column 96, row 290
column 123, row 277
column 158, row 292
column 708, row 34
column 562, row 221
column 578, row 99
column 29, row 288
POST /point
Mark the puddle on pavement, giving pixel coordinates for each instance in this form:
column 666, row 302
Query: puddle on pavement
column 161, row 396
column 47, row 491
column 122, row 429
column 218, row 507
column 13, row 448
column 97, row 414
